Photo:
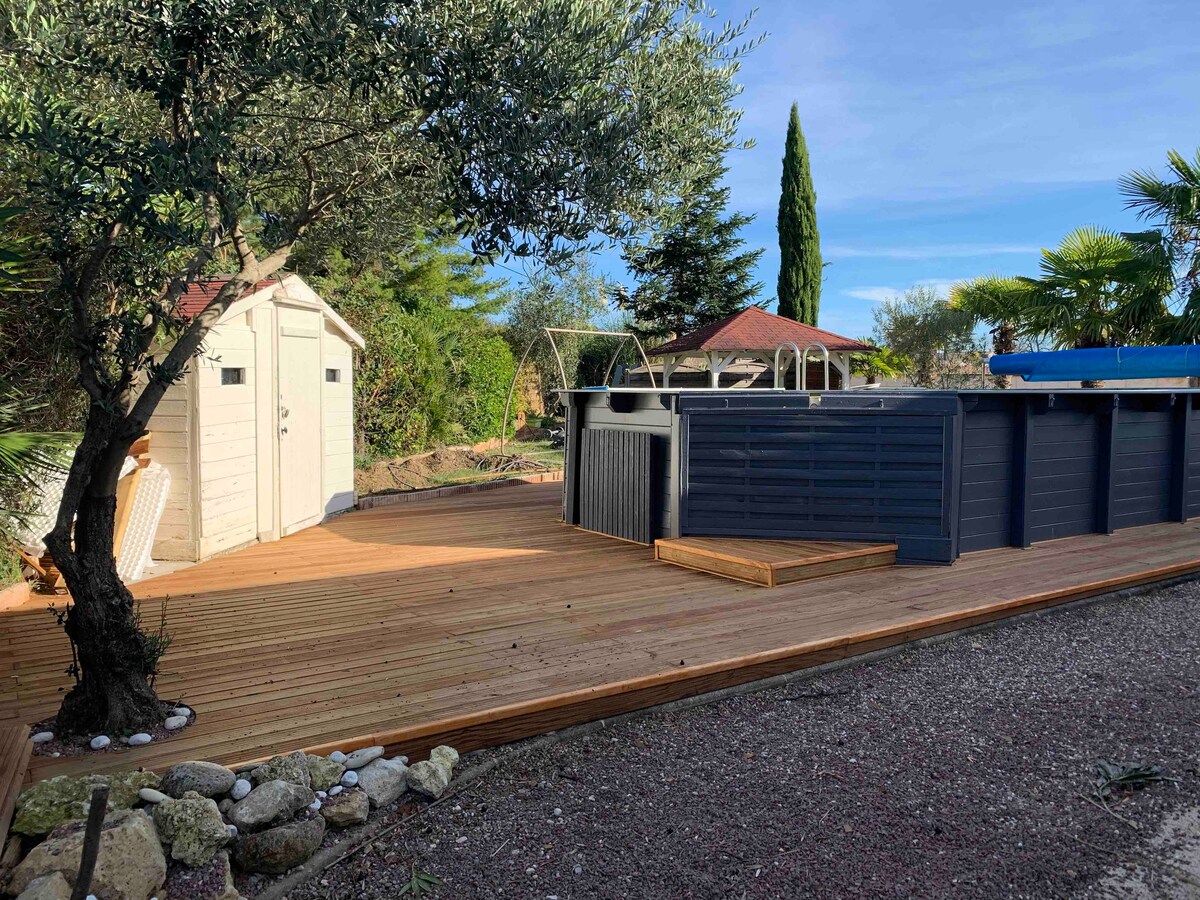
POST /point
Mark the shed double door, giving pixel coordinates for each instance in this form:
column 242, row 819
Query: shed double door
column 299, row 419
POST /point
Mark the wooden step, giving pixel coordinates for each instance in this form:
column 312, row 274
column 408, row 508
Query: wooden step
column 772, row 563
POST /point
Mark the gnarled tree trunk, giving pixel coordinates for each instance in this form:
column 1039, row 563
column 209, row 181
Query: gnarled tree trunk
column 113, row 692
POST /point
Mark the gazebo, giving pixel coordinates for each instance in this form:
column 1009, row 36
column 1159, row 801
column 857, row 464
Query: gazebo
column 755, row 336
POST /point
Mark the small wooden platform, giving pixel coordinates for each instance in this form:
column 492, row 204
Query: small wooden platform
column 772, row 563
column 479, row 619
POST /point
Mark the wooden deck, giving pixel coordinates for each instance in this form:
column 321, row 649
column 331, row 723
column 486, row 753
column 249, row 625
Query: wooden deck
column 478, row 619
column 772, row 563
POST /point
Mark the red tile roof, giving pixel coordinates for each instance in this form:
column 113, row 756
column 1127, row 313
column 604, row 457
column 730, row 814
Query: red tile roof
column 200, row 293
column 756, row 329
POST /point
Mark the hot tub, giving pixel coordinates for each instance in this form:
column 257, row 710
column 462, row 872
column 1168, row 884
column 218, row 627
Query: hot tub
column 938, row 473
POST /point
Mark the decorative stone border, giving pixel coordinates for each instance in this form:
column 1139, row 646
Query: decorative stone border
column 200, row 823
column 376, row 500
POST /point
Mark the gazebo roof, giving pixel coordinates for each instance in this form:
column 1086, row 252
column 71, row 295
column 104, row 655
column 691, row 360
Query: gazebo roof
column 755, row 329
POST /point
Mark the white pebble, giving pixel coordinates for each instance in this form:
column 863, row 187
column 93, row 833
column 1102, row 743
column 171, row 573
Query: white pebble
column 181, row 711
column 315, row 805
column 150, row 795
column 349, row 778
column 174, row 723
column 137, row 740
column 335, row 790
column 100, row 741
column 42, row 737
column 579, row 870
column 321, row 795
column 240, row 789
column 461, row 840
column 557, row 811
column 337, row 756
column 232, row 830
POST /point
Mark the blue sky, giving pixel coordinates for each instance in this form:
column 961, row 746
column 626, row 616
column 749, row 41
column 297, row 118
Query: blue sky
column 949, row 138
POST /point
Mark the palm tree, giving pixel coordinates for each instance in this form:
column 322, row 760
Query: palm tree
column 1172, row 250
column 1097, row 289
column 998, row 301
column 877, row 365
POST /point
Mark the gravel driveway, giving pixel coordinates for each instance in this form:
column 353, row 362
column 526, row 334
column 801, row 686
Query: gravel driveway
column 955, row 770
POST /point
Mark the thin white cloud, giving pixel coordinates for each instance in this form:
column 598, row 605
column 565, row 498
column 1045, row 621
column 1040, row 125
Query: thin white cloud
column 883, row 294
column 874, row 294
column 928, row 251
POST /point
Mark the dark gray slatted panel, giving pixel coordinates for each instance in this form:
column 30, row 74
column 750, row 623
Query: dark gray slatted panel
column 1064, row 462
column 1193, row 466
column 1142, row 480
column 805, row 473
column 614, row 492
column 656, row 421
column 985, row 503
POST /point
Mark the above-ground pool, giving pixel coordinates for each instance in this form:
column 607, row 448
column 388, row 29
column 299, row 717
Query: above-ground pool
column 938, row 473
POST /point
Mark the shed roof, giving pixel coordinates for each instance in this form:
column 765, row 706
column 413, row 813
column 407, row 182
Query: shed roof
column 201, row 292
column 756, row 329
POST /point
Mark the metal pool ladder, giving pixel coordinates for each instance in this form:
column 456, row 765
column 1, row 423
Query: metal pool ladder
column 802, row 362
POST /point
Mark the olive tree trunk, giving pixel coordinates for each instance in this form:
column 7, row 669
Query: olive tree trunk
column 113, row 691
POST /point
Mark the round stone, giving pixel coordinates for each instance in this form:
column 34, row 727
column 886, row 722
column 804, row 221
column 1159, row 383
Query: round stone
column 100, row 741
column 181, row 711
column 336, row 756
column 335, row 790
column 232, row 831
column 150, row 795
column 349, row 778
column 315, row 806
column 43, row 737
column 321, row 795
column 139, row 739
column 174, row 723
column 240, row 789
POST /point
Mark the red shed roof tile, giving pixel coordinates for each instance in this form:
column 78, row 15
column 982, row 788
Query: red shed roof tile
column 200, row 293
column 756, row 329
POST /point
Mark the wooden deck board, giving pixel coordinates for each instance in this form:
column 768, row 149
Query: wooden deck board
column 482, row 618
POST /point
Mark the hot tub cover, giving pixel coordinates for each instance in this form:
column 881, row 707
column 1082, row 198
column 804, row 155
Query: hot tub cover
column 1100, row 364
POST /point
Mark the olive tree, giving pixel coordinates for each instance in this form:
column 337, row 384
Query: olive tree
column 156, row 140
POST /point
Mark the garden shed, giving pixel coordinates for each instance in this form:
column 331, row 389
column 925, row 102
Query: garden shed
column 259, row 435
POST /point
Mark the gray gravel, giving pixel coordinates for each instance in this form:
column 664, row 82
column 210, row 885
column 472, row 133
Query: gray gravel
column 954, row 770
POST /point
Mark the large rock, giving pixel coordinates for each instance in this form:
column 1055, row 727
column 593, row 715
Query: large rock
column 130, row 865
column 47, row 887
column 292, row 768
column 205, row 778
column 279, row 849
column 346, row 809
column 431, row 777
column 268, row 802
column 324, row 773
column 46, row 805
column 193, row 827
column 212, row 881
column 384, row 780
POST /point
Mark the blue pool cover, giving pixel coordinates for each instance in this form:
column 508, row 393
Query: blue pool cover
column 1100, row 364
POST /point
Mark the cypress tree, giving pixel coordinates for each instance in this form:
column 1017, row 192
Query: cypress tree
column 799, row 288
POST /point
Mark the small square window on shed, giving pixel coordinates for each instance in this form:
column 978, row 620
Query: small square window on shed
column 233, row 375
column 334, row 375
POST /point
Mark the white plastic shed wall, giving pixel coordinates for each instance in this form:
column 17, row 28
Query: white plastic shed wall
column 337, row 405
column 227, row 424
